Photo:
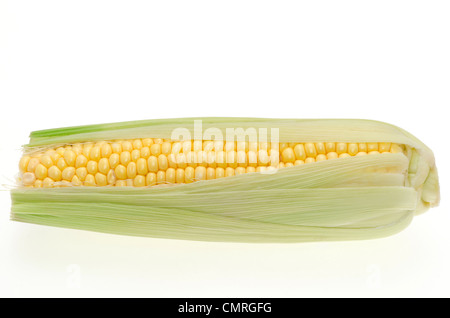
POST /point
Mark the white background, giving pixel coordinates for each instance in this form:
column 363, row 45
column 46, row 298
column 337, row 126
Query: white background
column 66, row 63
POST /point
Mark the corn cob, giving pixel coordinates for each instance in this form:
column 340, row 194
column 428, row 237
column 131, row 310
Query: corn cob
column 319, row 180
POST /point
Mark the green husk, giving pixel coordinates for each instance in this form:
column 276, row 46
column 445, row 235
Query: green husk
column 352, row 198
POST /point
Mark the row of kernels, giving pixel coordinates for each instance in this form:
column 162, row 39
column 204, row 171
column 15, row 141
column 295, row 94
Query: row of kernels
column 331, row 150
column 175, row 176
column 156, row 146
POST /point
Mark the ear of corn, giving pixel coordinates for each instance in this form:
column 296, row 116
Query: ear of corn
column 352, row 197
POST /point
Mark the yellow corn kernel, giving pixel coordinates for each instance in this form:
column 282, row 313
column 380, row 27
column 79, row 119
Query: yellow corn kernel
column 111, row 177
column 180, row 160
column 92, row 167
column 163, row 163
column 189, row 174
column 352, row 149
column 384, row 146
column 191, row 158
column 121, row 172
column 150, row 179
column 38, row 183
column 147, row 142
column 141, row 166
column 202, row 158
column 139, row 181
column 176, row 148
column 47, row 183
column 114, row 160
column 68, row 173
column 210, row 173
column 81, row 161
column 121, row 183
column 332, row 155
column 288, row 155
column 160, row 177
column 232, row 159
column 242, row 146
column 396, row 148
column 152, row 164
column 46, row 160
column 252, row 158
column 166, row 148
column 135, row 155
column 116, row 147
column 61, row 164
column 221, row 159
column 230, row 146
column 341, row 147
column 239, row 170
column 208, row 145
column 372, row 146
column 200, row 173
column 330, row 147
column 179, row 176
column 106, row 151
column 137, row 144
column 125, row 158
column 253, row 146
column 100, row 179
column 60, row 150
column 76, row 181
column 89, row 181
column 95, row 153
column 283, row 146
column 263, row 157
column 40, row 171
column 310, row 149
column 28, row 179
column 77, row 149
column 145, row 152
column 87, row 149
column 229, row 172
column 103, row 165
column 220, row 172
column 261, row 169
column 81, row 173
column 362, row 147
column 127, row 146
column 131, row 170
column 170, row 175
column 250, row 169
column 186, row 146
column 155, row 149
column 320, row 147
column 299, row 151
column 23, row 163
column 32, row 164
